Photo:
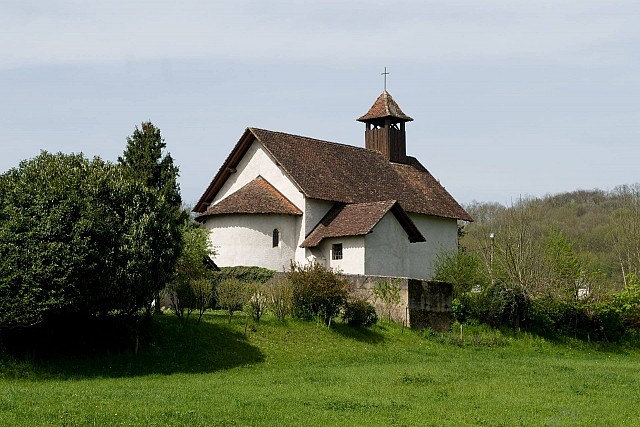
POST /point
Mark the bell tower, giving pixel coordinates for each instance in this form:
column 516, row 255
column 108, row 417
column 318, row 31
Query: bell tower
column 385, row 129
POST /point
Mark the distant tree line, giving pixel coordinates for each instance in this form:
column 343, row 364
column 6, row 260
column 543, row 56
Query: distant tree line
column 566, row 262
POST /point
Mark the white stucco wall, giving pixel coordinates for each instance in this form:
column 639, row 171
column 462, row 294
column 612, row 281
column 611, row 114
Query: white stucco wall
column 352, row 261
column 257, row 161
column 441, row 235
column 247, row 240
column 314, row 210
column 387, row 249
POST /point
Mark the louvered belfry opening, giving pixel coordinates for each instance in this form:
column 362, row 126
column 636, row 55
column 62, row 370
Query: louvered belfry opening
column 389, row 140
column 385, row 129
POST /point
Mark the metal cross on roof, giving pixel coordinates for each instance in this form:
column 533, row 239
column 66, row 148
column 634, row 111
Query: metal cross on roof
column 385, row 74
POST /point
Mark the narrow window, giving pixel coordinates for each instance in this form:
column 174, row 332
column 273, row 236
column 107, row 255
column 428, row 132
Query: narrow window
column 276, row 238
column 336, row 251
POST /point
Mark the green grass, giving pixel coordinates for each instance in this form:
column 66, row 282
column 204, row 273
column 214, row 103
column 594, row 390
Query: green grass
column 305, row 374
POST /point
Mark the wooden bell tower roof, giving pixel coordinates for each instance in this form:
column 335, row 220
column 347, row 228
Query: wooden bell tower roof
column 385, row 107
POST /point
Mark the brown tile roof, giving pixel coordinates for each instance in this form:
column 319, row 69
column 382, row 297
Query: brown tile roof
column 358, row 220
column 385, row 106
column 257, row 197
column 343, row 173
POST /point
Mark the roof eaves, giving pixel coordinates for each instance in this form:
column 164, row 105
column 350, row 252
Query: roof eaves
column 320, row 231
column 316, row 235
column 385, row 106
column 225, row 171
column 412, row 230
column 250, row 199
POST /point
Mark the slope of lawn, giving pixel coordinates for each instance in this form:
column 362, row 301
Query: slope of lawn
column 300, row 373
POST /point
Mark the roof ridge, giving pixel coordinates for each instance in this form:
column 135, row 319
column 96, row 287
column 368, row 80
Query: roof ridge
column 324, row 141
column 338, row 172
column 279, row 193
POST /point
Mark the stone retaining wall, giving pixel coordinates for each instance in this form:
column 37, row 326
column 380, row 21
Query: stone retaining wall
column 422, row 303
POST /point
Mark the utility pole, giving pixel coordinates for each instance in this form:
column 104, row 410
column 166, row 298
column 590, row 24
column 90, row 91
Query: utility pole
column 492, row 237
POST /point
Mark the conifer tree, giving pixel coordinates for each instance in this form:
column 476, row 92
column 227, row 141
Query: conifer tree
column 144, row 157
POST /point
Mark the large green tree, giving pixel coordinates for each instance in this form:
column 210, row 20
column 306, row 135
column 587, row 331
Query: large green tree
column 81, row 236
column 145, row 159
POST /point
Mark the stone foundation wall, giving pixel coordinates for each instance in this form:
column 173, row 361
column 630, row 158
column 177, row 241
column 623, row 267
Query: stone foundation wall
column 422, row 303
column 363, row 287
column 430, row 305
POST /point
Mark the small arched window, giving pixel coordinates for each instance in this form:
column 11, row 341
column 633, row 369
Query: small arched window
column 276, row 238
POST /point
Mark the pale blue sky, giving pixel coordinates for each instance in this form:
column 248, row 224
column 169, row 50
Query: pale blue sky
column 509, row 97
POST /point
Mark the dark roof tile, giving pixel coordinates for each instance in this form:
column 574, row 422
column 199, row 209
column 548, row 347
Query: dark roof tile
column 385, row 106
column 343, row 173
column 358, row 220
column 257, row 197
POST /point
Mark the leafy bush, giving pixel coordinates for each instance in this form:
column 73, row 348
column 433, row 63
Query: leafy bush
column 182, row 299
column 610, row 318
column 191, row 287
column 498, row 305
column 464, row 270
column 358, row 312
column 256, row 301
column 202, row 294
column 628, row 302
column 231, row 295
column 244, row 274
column 279, row 292
column 317, row 291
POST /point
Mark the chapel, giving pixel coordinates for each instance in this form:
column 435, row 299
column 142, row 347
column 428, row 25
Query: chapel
column 372, row 210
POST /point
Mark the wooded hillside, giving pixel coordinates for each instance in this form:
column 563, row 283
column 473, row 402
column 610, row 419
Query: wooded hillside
column 588, row 238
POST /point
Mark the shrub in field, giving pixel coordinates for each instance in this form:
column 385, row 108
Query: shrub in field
column 231, row 295
column 191, row 288
column 608, row 316
column 358, row 312
column 498, row 305
column 317, row 291
column 188, row 296
column 244, row 274
column 464, row 270
column 257, row 301
column 202, row 294
column 279, row 293
column 182, row 299
column 388, row 292
column 553, row 317
column 628, row 302
column 609, row 321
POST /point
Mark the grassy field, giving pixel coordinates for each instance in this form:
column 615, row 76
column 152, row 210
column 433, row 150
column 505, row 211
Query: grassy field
column 304, row 374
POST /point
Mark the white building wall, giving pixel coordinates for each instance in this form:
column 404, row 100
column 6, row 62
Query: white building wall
column 257, row 161
column 230, row 233
column 441, row 235
column 352, row 261
column 314, row 211
column 248, row 240
column 387, row 249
